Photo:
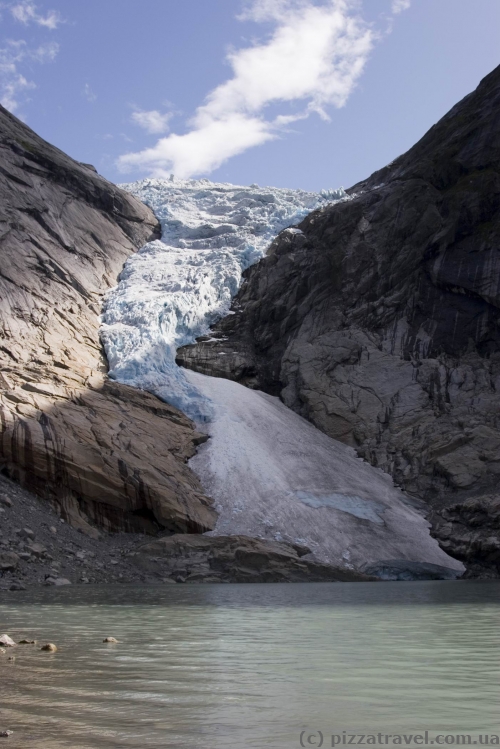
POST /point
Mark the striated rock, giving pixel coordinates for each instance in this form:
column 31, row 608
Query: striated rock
column 470, row 530
column 235, row 559
column 101, row 452
column 379, row 320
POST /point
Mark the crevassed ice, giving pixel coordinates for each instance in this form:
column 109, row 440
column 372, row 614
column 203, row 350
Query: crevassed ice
column 173, row 289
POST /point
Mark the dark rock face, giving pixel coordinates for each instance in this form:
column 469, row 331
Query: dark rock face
column 102, row 451
column 472, row 529
column 235, row 559
column 402, row 569
column 380, row 322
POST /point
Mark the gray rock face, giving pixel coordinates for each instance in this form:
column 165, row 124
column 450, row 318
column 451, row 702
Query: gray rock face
column 402, row 569
column 380, row 322
column 235, row 559
column 105, row 453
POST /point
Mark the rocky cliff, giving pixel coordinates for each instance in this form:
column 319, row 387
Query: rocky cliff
column 378, row 319
column 101, row 451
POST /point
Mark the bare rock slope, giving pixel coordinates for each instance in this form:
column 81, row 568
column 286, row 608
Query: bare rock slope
column 380, row 322
column 101, row 451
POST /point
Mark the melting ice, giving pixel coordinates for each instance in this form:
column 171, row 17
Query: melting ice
column 270, row 473
column 173, row 289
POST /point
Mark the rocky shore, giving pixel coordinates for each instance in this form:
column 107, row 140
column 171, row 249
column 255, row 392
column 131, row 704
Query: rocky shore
column 38, row 548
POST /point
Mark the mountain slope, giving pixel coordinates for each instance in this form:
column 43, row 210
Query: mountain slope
column 102, row 451
column 379, row 322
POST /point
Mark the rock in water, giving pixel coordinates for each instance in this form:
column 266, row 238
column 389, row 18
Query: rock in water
column 379, row 321
column 6, row 641
column 110, row 639
column 49, row 647
column 107, row 453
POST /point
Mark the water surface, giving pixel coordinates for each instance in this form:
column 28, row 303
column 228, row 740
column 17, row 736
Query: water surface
column 230, row 666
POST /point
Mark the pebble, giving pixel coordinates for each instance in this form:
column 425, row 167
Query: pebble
column 37, row 550
column 17, row 586
column 49, row 647
column 26, row 533
column 5, row 501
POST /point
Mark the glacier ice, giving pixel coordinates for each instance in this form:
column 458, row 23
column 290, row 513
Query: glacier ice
column 173, row 289
column 274, row 476
column 271, row 474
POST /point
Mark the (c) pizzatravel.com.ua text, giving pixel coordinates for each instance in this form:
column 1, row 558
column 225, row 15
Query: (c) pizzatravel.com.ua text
column 312, row 738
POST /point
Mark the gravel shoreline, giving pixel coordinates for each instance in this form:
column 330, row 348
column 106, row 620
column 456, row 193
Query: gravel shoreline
column 38, row 548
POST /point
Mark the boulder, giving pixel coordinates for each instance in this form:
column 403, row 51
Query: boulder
column 8, row 561
column 6, row 641
column 57, row 581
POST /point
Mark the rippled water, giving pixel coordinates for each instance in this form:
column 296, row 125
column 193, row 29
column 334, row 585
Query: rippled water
column 230, row 666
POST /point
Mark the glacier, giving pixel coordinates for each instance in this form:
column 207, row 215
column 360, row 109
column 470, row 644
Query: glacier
column 271, row 474
column 173, row 289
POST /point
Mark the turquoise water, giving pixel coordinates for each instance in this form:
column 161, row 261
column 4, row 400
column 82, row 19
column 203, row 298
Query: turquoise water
column 230, row 666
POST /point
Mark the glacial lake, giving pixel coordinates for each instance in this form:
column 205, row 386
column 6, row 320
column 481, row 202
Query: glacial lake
column 237, row 666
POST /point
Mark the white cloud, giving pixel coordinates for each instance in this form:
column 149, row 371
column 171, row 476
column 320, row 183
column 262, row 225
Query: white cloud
column 89, row 94
column 13, row 84
column 152, row 121
column 399, row 5
column 314, row 58
column 26, row 13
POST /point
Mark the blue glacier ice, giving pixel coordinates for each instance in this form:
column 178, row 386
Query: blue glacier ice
column 271, row 474
column 173, row 289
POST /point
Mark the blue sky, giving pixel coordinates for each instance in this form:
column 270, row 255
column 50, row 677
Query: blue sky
column 301, row 93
